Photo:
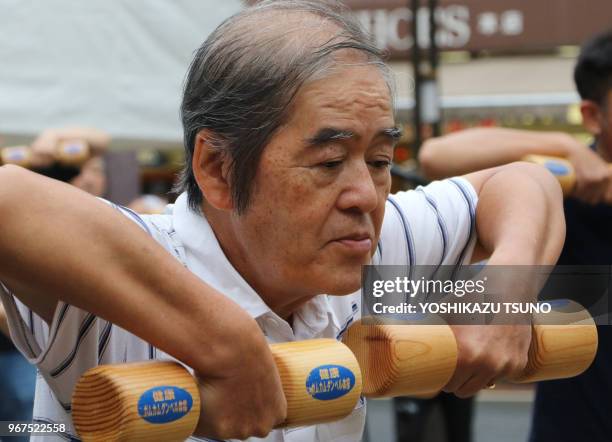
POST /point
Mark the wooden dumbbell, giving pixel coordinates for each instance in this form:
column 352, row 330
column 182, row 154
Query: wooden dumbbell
column 321, row 379
column 160, row 400
column 385, row 361
column 561, row 168
column 563, row 343
column 72, row 152
column 18, row 155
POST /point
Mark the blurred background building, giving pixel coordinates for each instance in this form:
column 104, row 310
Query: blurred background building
column 119, row 65
column 483, row 63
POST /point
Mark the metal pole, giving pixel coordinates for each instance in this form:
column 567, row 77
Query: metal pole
column 416, row 65
column 434, row 60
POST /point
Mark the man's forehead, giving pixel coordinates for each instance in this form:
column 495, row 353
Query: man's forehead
column 344, row 91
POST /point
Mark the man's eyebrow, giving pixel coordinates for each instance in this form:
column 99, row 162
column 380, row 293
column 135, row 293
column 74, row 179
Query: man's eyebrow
column 327, row 134
column 395, row 133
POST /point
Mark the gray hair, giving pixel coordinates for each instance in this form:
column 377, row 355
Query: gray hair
column 242, row 80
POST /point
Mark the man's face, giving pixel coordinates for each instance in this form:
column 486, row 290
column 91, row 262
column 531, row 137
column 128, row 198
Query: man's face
column 597, row 119
column 92, row 178
column 319, row 194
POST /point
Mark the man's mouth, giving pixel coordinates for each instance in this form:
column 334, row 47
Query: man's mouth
column 356, row 243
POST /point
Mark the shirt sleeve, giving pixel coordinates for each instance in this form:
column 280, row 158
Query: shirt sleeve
column 75, row 341
column 432, row 225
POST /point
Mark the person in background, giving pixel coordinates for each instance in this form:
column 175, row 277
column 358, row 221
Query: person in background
column 92, row 177
column 576, row 409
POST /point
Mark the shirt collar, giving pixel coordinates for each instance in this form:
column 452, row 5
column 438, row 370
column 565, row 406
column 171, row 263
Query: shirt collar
column 208, row 261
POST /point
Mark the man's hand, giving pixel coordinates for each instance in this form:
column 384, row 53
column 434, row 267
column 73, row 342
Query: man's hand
column 486, row 354
column 44, row 148
column 245, row 397
column 593, row 175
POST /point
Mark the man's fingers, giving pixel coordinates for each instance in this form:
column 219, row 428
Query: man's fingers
column 456, row 381
column 474, row 385
column 462, row 375
column 590, row 194
column 475, row 376
column 233, row 418
column 488, row 374
column 592, row 187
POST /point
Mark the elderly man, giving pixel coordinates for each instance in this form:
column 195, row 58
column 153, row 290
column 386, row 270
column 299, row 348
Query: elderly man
column 289, row 134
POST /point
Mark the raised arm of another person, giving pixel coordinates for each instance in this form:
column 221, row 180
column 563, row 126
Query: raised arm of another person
column 519, row 221
column 59, row 243
column 474, row 149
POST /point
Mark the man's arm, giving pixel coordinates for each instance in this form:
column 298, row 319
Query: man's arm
column 519, row 217
column 475, row 149
column 59, row 243
column 481, row 148
column 519, row 221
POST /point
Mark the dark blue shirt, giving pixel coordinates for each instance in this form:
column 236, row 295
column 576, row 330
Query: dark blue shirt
column 580, row 409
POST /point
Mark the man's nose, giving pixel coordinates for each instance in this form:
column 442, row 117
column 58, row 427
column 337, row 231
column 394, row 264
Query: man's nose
column 359, row 190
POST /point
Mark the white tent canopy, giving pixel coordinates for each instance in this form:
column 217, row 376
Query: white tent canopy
column 119, row 65
column 114, row 64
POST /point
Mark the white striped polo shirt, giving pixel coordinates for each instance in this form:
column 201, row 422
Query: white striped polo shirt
column 432, row 225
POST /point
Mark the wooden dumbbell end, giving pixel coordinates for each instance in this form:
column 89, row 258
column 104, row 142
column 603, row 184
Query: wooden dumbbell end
column 73, row 152
column 563, row 344
column 403, row 360
column 561, row 168
column 17, row 155
column 139, row 401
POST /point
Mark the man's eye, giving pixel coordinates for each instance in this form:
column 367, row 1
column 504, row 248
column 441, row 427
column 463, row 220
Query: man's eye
column 381, row 164
column 331, row 164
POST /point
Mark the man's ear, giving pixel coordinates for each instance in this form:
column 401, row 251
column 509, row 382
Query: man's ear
column 210, row 168
column 591, row 117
